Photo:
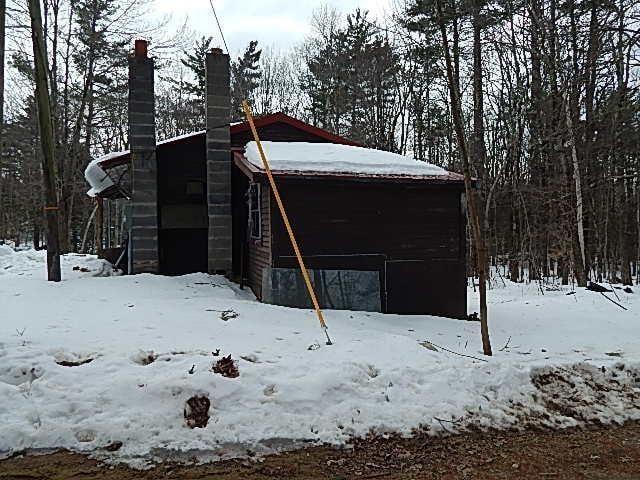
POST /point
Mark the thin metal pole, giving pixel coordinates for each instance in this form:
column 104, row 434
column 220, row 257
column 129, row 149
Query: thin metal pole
column 294, row 243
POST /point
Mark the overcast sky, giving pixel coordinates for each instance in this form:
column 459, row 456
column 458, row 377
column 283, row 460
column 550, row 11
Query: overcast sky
column 277, row 23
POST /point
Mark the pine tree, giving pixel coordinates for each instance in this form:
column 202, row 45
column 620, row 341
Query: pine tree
column 194, row 60
column 245, row 78
column 351, row 83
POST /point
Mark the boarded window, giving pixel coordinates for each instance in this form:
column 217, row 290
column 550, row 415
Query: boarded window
column 255, row 222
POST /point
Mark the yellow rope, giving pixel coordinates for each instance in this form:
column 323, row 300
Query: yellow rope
column 294, row 243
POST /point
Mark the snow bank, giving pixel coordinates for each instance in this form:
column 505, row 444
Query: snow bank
column 30, row 263
column 93, row 361
column 333, row 158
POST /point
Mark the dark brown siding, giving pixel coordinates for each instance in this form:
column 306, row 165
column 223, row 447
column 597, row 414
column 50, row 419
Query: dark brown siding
column 403, row 222
column 260, row 250
column 412, row 234
column 239, row 216
column 276, row 132
column 250, row 256
column 368, row 226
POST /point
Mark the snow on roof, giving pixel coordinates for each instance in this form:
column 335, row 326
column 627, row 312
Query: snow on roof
column 111, row 156
column 335, row 158
column 97, row 177
column 297, row 157
column 181, row 137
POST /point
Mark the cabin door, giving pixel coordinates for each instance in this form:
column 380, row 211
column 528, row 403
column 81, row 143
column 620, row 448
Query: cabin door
column 426, row 287
column 406, row 286
column 183, row 238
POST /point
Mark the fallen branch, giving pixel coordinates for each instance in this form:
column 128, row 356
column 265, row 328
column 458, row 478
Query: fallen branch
column 614, row 291
column 506, row 345
column 456, row 353
column 613, row 301
column 455, row 422
column 442, row 425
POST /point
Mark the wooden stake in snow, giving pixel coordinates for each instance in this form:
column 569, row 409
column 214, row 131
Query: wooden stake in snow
column 285, row 218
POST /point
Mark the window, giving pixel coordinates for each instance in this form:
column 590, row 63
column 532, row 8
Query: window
column 255, row 223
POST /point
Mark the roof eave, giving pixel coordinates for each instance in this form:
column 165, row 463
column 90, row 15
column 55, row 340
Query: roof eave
column 253, row 172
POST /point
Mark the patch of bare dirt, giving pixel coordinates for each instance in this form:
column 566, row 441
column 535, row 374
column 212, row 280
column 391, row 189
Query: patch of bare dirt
column 587, row 393
column 596, row 453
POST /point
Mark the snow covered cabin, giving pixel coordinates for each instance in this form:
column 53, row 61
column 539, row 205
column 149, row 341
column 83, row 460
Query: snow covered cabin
column 378, row 231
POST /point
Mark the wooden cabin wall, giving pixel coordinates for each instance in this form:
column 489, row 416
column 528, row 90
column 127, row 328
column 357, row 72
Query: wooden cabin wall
column 414, row 235
column 258, row 254
column 401, row 221
column 260, row 251
column 188, row 154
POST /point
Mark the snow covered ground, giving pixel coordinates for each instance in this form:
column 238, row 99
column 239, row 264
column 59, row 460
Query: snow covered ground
column 98, row 359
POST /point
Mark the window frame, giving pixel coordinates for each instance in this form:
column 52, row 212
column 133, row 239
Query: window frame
column 255, row 212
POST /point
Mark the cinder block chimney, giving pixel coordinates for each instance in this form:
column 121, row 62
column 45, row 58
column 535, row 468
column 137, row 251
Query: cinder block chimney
column 143, row 233
column 218, row 161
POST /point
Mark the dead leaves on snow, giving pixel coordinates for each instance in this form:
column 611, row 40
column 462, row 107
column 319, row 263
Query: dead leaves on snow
column 226, row 367
column 225, row 315
column 196, row 411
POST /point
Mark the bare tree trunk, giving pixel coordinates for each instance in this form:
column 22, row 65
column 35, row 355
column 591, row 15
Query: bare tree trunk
column 476, row 228
column 83, row 245
column 46, row 140
column 626, row 242
column 99, row 237
column 3, row 17
column 581, row 268
column 478, row 145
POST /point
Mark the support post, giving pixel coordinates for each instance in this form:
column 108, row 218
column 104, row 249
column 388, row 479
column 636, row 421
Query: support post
column 285, row 218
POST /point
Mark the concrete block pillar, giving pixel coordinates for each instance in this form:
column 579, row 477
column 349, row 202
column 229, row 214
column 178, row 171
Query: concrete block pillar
column 143, row 234
column 218, row 109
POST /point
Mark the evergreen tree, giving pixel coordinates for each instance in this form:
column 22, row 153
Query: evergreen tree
column 194, row 60
column 351, row 82
column 245, row 78
column 194, row 89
